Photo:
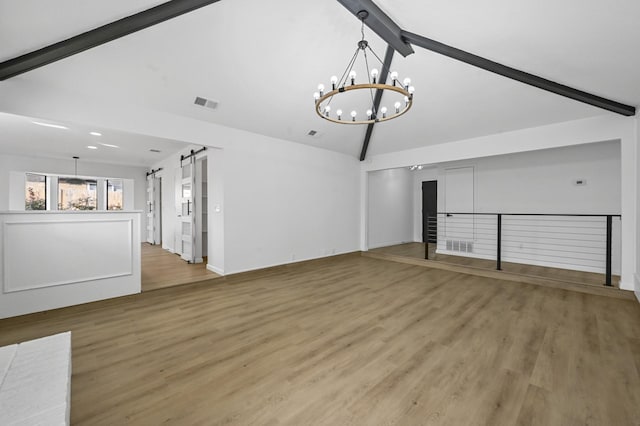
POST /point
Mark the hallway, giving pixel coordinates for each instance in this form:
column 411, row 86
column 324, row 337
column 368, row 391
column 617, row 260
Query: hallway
column 161, row 269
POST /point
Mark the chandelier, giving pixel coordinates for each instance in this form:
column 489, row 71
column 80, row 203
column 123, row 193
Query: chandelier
column 359, row 97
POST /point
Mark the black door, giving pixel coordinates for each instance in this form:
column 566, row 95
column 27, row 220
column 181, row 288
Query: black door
column 430, row 211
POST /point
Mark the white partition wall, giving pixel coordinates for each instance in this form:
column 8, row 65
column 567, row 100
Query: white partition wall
column 55, row 259
column 390, row 207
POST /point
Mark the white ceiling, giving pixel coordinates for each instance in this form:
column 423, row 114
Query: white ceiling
column 19, row 135
column 263, row 60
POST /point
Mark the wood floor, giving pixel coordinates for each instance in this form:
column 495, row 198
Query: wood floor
column 350, row 341
column 161, row 269
column 416, row 250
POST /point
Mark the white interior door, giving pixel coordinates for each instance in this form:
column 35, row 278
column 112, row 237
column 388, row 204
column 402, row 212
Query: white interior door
column 149, row 210
column 154, row 208
column 186, row 215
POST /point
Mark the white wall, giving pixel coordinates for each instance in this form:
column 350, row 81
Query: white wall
column 598, row 129
column 390, row 207
column 285, row 201
column 543, row 181
column 13, row 167
column 52, row 259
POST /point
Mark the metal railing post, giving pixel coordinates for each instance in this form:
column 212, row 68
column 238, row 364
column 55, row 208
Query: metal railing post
column 425, row 237
column 499, row 244
column 609, row 233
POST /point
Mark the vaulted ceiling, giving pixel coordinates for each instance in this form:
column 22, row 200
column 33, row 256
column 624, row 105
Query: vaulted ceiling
column 262, row 60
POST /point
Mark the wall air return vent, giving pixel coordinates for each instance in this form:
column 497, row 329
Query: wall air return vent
column 204, row 102
column 458, row 245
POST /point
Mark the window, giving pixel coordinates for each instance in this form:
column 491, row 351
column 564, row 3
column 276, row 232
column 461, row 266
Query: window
column 77, row 194
column 35, row 192
column 114, row 194
column 44, row 191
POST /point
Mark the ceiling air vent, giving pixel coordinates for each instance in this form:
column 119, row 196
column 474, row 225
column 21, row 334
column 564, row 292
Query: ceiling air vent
column 207, row 103
column 154, row 150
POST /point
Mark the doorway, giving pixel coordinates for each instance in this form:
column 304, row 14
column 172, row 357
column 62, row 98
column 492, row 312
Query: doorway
column 191, row 208
column 154, row 209
column 430, row 211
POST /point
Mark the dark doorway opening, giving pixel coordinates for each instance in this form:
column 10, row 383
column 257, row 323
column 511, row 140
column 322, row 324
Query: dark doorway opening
column 430, row 211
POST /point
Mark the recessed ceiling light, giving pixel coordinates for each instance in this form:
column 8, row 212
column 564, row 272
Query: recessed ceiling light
column 92, row 147
column 109, row 145
column 95, row 134
column 55, row 126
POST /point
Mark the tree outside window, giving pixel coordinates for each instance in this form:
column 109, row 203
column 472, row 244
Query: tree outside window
column 77, row 194
column 114, row 194
column 35, row 192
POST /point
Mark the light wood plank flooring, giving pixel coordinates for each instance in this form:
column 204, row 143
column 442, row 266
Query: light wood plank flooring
column 161, row 269
column 350, row 341
column 416, row 250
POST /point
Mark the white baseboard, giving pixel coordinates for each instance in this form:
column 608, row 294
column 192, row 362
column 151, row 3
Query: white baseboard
column 385, row 244
column 287, row 262
column 214, row 269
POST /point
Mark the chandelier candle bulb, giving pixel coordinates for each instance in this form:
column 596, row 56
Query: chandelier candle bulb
column 394, row 77
column 339, row 114
column 321, row 89
column 406, row 100
column 411, row 90
column 374, row 75
column 326, row 110
column 397, row 105
column 334, row 81
column 353, row 115
column 406, row 83
column 352, row 76
column 384, row 112
column 316, row 96
column 369, row 113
